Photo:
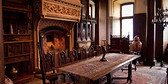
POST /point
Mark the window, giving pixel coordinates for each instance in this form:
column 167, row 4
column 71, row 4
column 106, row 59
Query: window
column 91, row 9
column 127, row 12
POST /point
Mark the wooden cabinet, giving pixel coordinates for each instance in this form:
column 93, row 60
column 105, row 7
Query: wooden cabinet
column 18, row 40
column 84, row 31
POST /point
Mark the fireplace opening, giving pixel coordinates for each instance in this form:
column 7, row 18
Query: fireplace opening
column 55, row 39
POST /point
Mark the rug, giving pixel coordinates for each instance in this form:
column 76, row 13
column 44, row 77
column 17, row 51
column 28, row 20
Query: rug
column 143, row 75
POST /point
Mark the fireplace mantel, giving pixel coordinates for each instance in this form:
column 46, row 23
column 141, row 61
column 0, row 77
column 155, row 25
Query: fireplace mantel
column 66, row 10
column 55, row 13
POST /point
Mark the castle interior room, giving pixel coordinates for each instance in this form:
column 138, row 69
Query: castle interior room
column 83, row 41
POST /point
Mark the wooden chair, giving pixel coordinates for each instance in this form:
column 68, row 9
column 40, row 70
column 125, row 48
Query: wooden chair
column 91, row 52
column 83, row 53
column 47, row 64
column 73, row 55
column 99, row 51
column 62, row 59
column 114, row 46
column 118, row 44
column 125, row 50
column 124, row 45
column 96, row 49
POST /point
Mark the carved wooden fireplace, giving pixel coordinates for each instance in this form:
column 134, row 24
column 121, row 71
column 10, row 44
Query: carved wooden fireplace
column 57, row 17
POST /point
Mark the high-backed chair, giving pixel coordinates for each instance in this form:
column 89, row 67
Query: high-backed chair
column 73, row 55
column 118, row 44
column 83, row 53
column 114, row 46
column 99, row 51
column 136, row 48
column 91, row 52
column 47, row 64
column 62, row 59
column 124, row 45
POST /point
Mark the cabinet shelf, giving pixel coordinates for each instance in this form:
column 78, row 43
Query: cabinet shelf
column 8, row 42
column 17, row 59
column 17, row 34
column 22, row 77
column 13, row 9
column 18, row 39
column 21, row 55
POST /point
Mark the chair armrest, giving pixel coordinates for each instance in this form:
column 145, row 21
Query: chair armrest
column 52, row 76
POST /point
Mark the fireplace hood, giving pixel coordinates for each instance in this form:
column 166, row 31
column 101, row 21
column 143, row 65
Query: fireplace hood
column 66, row 10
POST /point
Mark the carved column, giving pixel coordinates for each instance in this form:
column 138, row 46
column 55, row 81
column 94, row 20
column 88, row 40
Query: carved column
column 150, row 58
column 2, row 75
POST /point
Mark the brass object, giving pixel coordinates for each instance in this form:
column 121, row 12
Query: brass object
column 103, row 59
column 14, row 71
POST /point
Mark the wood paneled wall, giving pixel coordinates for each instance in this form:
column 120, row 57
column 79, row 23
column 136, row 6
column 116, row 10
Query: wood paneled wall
column 2, row 76
column 102, row 20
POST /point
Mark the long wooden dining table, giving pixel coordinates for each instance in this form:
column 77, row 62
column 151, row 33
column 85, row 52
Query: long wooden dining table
column 92, row 69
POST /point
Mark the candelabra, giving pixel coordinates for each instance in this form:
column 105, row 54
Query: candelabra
column 161, row 18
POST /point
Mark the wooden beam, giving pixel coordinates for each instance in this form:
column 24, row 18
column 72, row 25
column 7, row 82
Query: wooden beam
column 2, row 75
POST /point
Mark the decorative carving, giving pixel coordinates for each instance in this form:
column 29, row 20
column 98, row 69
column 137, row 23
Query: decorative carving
column 52, row 9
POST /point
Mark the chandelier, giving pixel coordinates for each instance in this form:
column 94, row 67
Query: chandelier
column 161, row 18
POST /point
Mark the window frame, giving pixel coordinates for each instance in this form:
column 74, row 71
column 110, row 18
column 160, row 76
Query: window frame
column 127, row 17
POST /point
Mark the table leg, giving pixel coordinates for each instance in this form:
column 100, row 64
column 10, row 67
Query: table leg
column 129, row 72
column 167, row 74
column 94, row 82
column 108, row 78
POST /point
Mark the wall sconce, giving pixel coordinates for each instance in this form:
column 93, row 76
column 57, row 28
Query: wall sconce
column 161, row 18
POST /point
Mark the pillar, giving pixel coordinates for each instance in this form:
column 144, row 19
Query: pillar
column 150, row 38
column 2, row 76
column 159, row 36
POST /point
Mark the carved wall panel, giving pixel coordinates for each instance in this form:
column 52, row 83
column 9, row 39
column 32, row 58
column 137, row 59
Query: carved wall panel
column 61, row 11
column 58, row 9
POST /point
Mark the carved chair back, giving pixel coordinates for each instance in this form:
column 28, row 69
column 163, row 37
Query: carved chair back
column 96, row 49
column 91, row 52
column 73, row 55
column 83, row 53
column 47, row 60
column 124, row 45
column 99, row 51
column 62, row 59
